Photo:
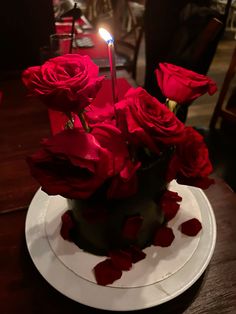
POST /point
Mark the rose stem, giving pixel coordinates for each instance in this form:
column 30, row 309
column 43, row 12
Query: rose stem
column 83, row 121
column 70, row 122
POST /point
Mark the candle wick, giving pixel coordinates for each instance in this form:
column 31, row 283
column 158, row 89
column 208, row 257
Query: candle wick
column 111, row 54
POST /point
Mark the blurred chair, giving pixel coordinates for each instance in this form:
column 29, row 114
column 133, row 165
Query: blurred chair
column 195, row 36
column 208, row 35
column 226, row 109
column 98, row 10
column 195, row 51
column 233, row 16
column 127, row 42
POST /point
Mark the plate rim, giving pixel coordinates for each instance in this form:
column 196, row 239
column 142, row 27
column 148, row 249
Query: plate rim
column 41, row 196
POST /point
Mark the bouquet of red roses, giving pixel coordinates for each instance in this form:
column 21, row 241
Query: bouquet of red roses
column 77, row 161
column 107, row 150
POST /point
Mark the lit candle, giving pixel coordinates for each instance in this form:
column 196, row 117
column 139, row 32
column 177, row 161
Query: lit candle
column 111, row 53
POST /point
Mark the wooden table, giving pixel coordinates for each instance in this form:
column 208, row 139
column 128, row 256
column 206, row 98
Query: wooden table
column 23, row 122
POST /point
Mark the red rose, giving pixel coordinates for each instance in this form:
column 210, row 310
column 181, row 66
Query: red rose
column 95, row 114
column 75, row 164
column 190, row 163
column 182, row 85
column 145, row 121
column 67, row 83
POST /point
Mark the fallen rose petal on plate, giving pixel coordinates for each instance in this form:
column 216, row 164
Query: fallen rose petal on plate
column 191, row 227
column 164, row 237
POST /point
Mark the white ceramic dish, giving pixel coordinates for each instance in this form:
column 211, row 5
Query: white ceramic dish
column 161, row 276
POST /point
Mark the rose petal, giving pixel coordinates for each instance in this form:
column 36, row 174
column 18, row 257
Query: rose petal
column 164, row 237
column 121, row 259
column 191, row 227
column 182, row 85
column 132, row 227
column 169, row 205
column 67, row 225
column 122, row 189
column 136, row 253
column 106, row 273
column 78, row 171
column 190, row 164
column 172, row 195
column 169, row 209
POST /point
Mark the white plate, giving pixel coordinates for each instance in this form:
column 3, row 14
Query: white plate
column 161, row 276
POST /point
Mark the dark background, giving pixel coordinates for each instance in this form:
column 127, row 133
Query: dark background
column 25, row 26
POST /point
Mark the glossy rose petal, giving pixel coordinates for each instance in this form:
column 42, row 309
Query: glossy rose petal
column 164, row 237
column 75, row 164
column 121, row 259
column 190, row 163
column 67, row 225
column 106, row 273
column 170, row 208
column 136, row 253
column 172, row 195
column 191, row 227
column 169, row 205
column 182, row 85
column 122, row 189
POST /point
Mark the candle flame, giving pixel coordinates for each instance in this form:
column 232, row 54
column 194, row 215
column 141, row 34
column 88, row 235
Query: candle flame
column 105, row 35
